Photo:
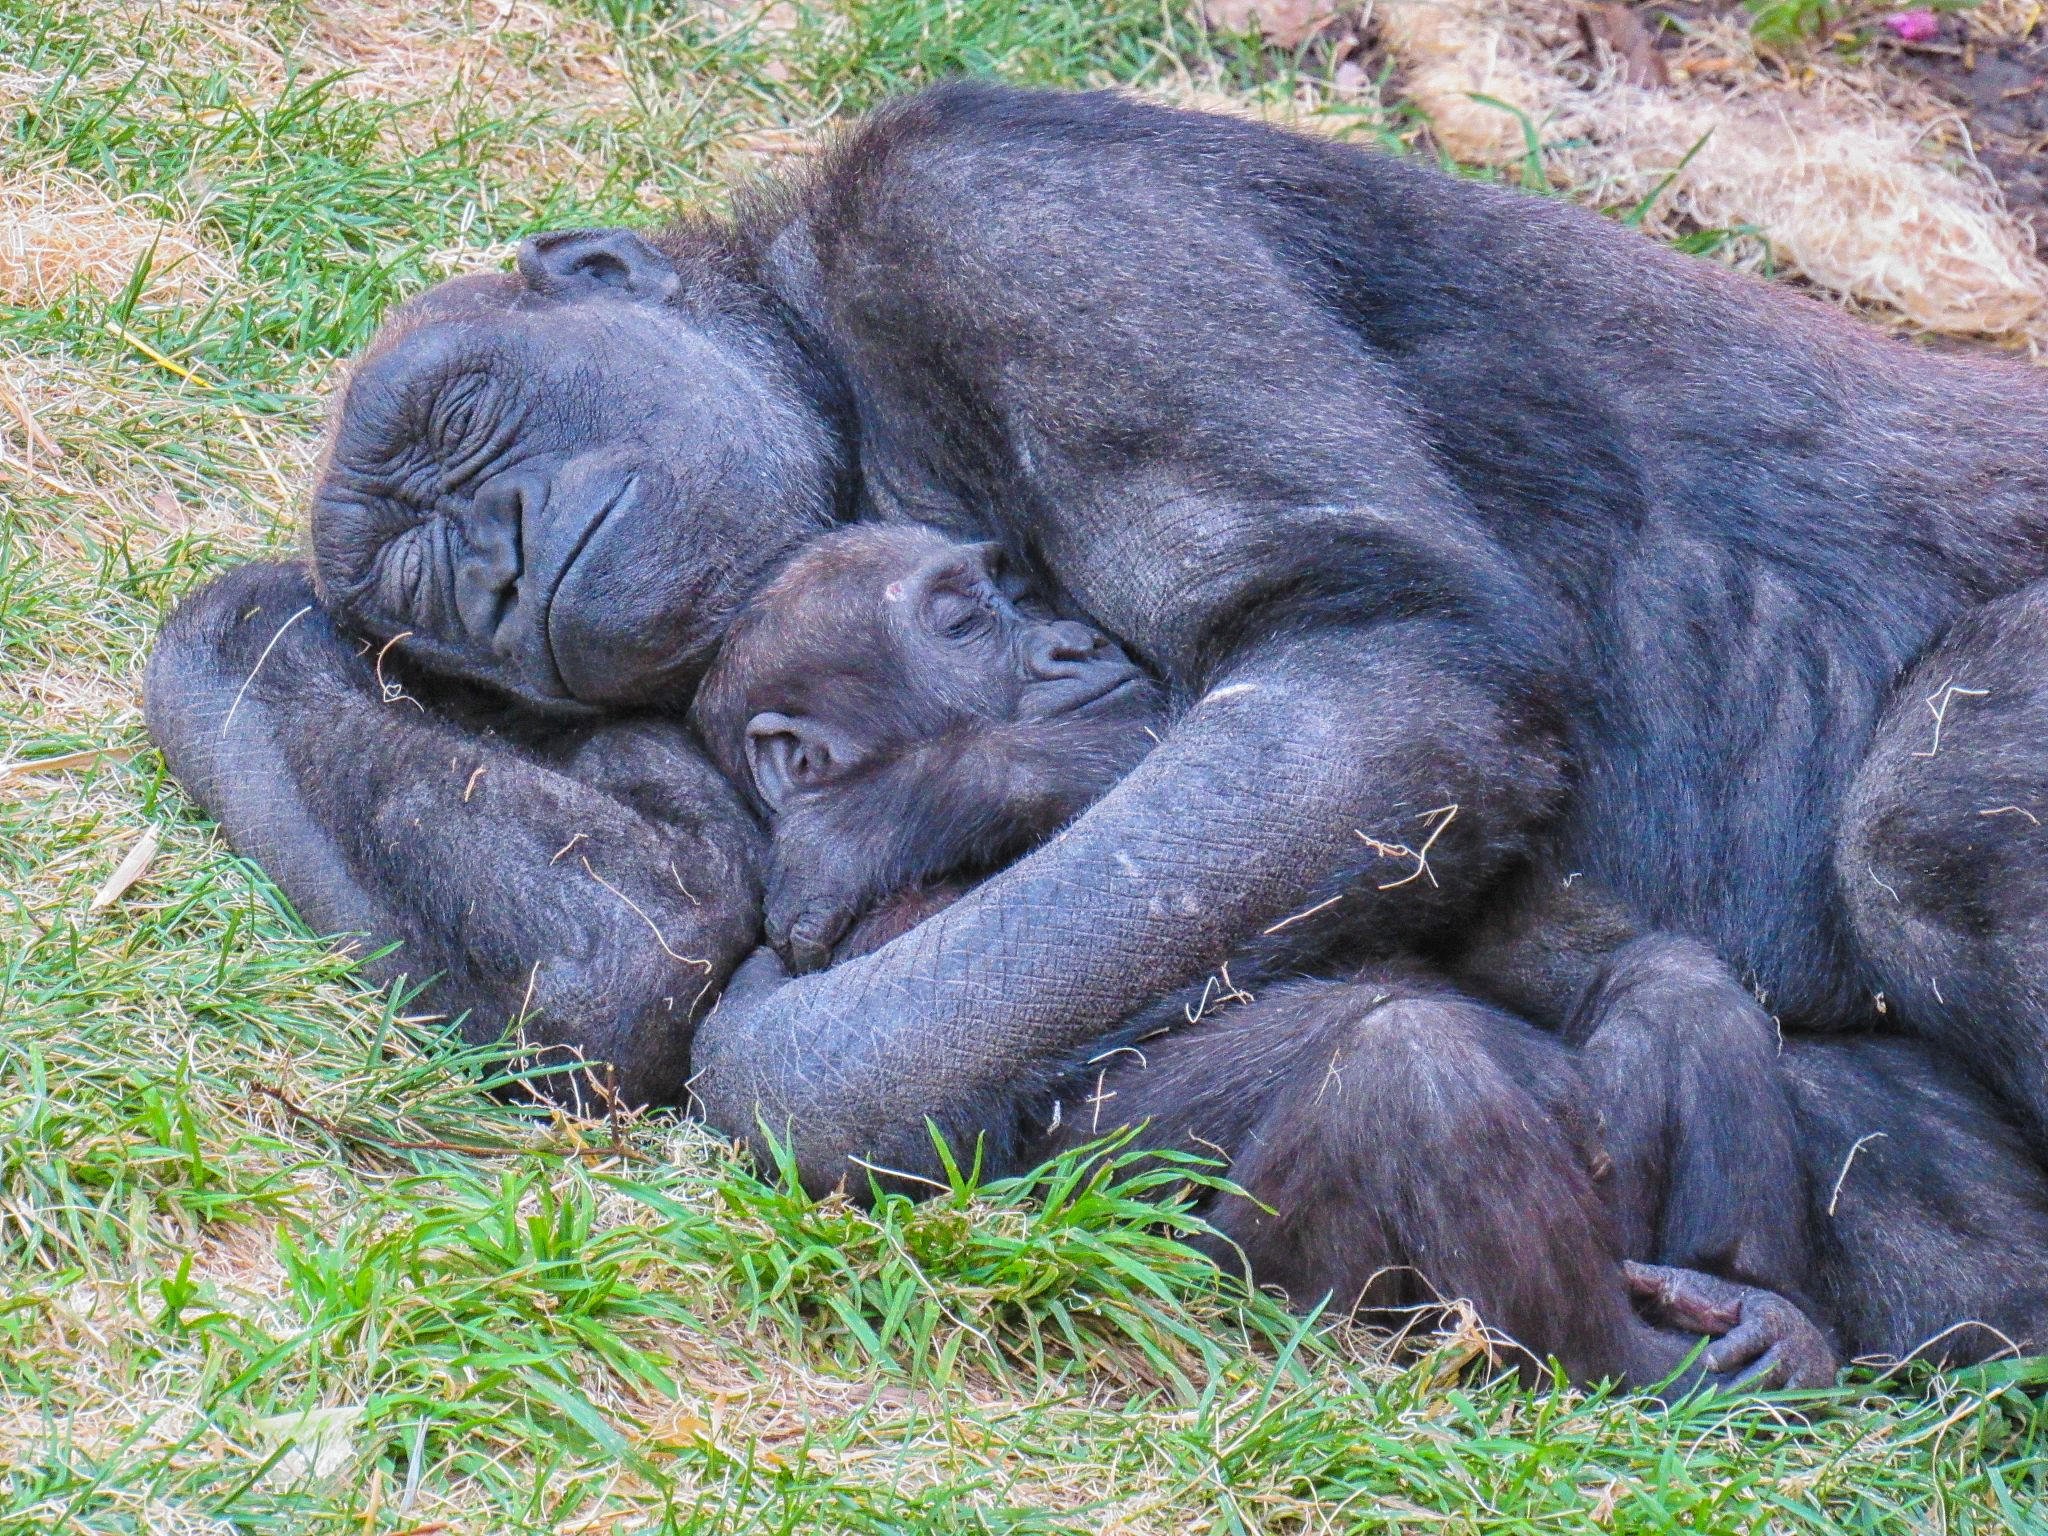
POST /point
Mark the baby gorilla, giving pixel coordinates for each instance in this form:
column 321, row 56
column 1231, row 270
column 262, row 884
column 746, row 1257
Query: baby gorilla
column 904, row 710
column 910, row 718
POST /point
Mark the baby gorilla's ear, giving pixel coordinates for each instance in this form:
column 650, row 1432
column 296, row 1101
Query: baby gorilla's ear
column 586, row 263
column 785, row 755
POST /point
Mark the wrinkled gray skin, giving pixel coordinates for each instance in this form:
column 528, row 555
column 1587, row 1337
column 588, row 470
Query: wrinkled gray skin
column 1443, row 512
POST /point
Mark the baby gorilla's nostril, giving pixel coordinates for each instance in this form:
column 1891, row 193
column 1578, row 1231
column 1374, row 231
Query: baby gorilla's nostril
column 1063, row 649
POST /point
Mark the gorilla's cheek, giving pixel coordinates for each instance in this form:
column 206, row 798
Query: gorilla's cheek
column 628, row 623
column 644, row 597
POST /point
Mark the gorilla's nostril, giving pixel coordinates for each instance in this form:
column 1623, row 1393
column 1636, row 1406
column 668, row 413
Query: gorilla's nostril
column 491, row 558
column 487, row 578
column 484, row 602
column 1066, row 642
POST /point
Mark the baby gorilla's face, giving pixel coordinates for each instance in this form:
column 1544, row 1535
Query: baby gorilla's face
column 905, row 709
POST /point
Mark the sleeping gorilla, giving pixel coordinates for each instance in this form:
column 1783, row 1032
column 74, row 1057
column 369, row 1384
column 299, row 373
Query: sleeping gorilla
column 910, row 718
column 1465, row 530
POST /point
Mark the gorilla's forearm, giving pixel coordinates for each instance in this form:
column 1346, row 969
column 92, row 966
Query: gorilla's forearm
column 590, row 883
column 1304, row 774
column 956, row 805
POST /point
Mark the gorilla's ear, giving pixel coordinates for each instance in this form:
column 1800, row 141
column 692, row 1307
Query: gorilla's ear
column 585, row 263
column 785, row 754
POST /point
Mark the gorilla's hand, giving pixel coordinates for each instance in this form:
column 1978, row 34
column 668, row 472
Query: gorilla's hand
column 1284, row 785
column 895, row 915
column 591, row 882
column 1761, row 1341
column 862, row 933
column 807, row 911
column 761, row 974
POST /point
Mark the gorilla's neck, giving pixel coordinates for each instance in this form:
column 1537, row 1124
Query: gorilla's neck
column 728, row 291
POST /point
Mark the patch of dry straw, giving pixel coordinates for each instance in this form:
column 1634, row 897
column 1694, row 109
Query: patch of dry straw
column 1847, row 189
column 59, row 232
column 506, row 52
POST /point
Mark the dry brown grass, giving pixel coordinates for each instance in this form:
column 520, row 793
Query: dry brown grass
column 502, row 56
column 1854, row 179
column 506, row 56
column 58, row 232
column 78, row 460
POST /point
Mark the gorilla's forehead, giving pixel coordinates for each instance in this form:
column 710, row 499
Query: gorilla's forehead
column 827, row 634
column 852, row 565
column 472, row 296
column 567, row 371
column 824, row 617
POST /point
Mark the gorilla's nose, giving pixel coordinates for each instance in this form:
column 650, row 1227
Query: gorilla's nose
column 1065, row 649
column 492, row 559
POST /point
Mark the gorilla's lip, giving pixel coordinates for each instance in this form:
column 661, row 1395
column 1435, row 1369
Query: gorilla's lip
column 547, row 619
column 1128, row 683
column 1124, row 686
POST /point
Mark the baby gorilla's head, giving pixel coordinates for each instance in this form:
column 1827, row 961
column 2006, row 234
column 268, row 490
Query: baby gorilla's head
column 904, row 709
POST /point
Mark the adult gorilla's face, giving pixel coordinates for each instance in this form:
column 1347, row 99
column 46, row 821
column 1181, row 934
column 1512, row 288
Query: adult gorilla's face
column 562, row 482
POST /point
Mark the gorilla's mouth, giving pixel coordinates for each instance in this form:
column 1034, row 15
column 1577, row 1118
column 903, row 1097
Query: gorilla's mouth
column 1124, row 688
column 549, row 645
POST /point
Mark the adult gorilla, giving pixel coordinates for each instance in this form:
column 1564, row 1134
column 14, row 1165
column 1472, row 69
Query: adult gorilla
column 1481, row 542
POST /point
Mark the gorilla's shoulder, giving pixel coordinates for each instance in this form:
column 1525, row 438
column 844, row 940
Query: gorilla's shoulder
column 1001, row 179
column 967, row 161
column 985, row 114
column 1043, row 132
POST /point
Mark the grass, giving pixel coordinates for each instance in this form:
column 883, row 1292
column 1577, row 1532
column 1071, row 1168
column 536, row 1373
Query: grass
column 272, row 1261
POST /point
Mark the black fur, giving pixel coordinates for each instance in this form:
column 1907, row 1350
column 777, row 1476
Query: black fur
column 591, row 886
column 1398, row 1146
column 1943, row 856
column 1489, row 469
column 1397, row 1142
column 1928, row 1211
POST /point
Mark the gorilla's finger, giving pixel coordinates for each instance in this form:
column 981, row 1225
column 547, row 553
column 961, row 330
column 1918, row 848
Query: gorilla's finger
column 1775, row 1345
column 1684, row 1298
column 807, row 946
column 760, row 974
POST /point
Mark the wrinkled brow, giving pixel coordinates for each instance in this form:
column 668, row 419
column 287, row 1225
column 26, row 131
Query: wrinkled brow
column 472, row 296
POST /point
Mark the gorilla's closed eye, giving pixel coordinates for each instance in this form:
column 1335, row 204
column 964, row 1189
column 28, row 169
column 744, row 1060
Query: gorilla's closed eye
column 954, row 615
column 452, row 420
column 407, row 576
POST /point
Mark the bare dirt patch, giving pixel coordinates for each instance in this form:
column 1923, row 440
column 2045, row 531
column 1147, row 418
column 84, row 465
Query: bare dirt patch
column 1998, row 85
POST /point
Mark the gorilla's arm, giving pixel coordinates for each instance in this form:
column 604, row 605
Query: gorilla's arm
column 1274, row 793
column 593, row 883
column 955, row 805
column 1141, row 349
